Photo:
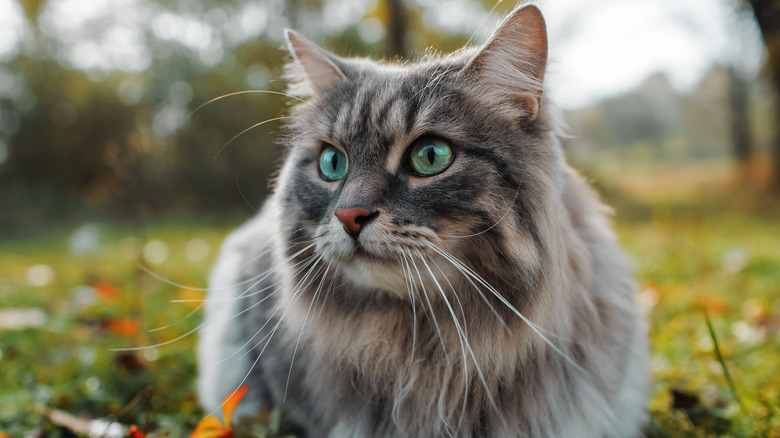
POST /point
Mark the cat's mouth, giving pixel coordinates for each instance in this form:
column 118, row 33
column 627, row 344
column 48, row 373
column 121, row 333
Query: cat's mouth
column 363, row 254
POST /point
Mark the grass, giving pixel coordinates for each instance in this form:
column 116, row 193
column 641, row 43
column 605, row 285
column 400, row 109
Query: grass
column 708, row 267
column 98, row 301
column 730, row 269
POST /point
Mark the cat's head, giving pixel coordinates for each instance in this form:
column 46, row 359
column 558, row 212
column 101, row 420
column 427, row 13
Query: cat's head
column 405, row 171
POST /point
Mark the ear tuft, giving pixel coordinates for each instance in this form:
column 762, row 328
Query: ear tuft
column 313, row 69
column 511, row 66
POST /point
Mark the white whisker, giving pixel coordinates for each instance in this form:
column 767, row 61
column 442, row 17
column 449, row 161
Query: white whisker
column 464, row 340
column 409, row 281
column 303, row 327
column 528, row 322
column 237, row 93
column 247, row 130
column 506, row 213
column 229, row 286
column 310, row 267
column 241, row 192
column 199, row 327
column 433, row 314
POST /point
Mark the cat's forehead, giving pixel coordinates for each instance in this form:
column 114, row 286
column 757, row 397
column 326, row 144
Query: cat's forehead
column 383, row 105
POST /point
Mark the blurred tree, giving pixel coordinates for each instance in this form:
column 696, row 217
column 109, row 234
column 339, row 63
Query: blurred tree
column 767, row 14
column 397, row 29
column 101, row 142
column 743, row 23
column 741, row 141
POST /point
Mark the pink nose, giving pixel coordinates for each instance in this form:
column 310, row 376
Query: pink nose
column 354, row 219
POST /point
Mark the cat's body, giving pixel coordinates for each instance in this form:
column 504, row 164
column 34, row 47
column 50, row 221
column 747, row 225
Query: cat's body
column 428, row 265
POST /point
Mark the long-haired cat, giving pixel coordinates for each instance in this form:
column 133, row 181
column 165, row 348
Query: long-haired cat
column 428, row 265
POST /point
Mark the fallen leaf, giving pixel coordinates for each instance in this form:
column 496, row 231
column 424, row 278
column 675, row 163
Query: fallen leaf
column 230, row 403
column 125, row 327
column 211, row 427
column 715, row 306
column 106, row 291
column 134, row 433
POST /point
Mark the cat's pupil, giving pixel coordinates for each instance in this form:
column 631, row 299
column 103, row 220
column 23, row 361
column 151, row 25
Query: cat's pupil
column 431, row 155
column 335, row 161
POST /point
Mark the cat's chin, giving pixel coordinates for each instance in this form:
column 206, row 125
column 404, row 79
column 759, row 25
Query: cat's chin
column 391, row 275
column 371, row 272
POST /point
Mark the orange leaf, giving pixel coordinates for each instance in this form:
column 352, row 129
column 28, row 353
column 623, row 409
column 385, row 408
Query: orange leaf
column 106, row 291
column 230, row 403
column 715, row 306
column 211, row 427
column 134, row 433
column 126, row 327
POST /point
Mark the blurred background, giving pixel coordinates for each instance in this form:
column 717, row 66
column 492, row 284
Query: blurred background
column 115, row 193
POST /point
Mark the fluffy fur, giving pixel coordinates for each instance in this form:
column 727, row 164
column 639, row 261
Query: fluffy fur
column 490, row 300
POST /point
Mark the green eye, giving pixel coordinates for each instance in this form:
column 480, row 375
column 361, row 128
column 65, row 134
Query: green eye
column 333, row 164
column 429, row 157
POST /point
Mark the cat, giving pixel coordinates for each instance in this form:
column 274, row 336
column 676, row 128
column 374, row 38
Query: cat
column 428, row 265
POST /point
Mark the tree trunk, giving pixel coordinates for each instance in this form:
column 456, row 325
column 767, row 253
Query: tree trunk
column 742, row 145
column 776, row 139
column 767, row 14
column 397, row 28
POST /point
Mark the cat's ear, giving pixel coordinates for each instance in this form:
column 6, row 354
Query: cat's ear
column 510, row 67
column 313, row 70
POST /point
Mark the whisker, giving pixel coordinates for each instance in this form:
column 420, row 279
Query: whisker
column 303, row 327
column 236, row 93
column 433, row 315
column 482, row 23
column 409, row 281
column 464, row 343
column 310, row 268
column 327, row 294
column 247, row 130
column 528, row 322
column 506, row 213
column 479, row 291
column 230, row 286
column 244, row 294
column 241, row 192
column 189, row 315
column 461, row 340
column 454, row 293
column 257, row 359
column 199, row 327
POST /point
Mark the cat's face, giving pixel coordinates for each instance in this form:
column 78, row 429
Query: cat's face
column 398, row 172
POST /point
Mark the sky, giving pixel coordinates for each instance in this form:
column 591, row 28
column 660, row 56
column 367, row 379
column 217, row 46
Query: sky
column 598, row 48
column 603, row 48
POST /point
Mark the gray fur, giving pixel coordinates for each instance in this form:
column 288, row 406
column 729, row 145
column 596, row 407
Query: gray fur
column 490, row 300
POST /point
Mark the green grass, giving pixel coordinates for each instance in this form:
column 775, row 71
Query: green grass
column 68, row 363
column 728, row 264
column 721, row 254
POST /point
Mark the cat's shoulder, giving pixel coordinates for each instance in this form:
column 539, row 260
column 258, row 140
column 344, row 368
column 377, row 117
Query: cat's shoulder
column 241, row 247
column 256, row 234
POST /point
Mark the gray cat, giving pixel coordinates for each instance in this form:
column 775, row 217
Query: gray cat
column 428, row 264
